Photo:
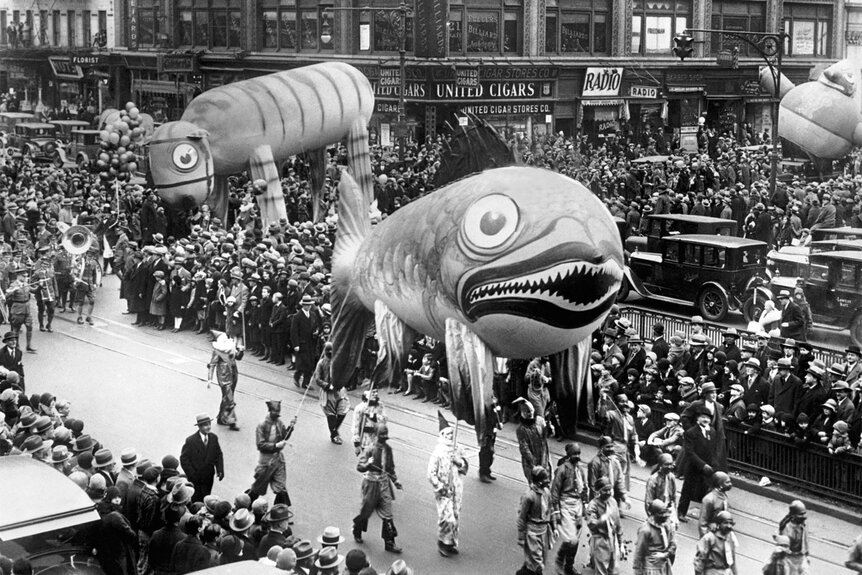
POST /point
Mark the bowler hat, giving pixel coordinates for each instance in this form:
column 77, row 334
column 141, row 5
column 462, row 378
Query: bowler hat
column 331, row 536
column 854, row 349
column 10, row 335
column 303, row 549
column 103, row 458
column 328, row 558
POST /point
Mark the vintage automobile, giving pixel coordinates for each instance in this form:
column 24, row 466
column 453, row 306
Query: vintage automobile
column 661, row 225
column 792, row 261
column 8, row 120
column 37, row 140
column 716, row 274
column 83, row 148
column 49, row 520
column 66, row 127
column 842, row 233
column 832, row 283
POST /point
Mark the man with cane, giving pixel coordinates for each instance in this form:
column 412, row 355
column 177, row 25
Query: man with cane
column 272, row 436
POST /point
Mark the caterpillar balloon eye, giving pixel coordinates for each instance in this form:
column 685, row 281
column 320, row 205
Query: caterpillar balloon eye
column 185, row 156
column 490, row 221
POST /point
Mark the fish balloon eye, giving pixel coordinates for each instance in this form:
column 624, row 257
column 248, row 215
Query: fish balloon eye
column 490, row 221
column 185, row 156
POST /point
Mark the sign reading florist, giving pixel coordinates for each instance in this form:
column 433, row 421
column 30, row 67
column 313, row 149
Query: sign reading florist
column 602, row 82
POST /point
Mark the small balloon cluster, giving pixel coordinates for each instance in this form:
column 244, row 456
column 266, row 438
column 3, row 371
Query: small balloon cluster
column 120, row 142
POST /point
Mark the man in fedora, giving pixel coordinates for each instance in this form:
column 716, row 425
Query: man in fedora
column 328, row 561
column 792, row 318
column 304, row 329
column 785, row 390
column 304, row 556
column 11, row 357
column 127, row 474
column 278, row 519
column 846, row 410
column 18, row 300
column 399, row 567
column 756, row 387
column 103, row 463
column 240, row 523
column 813, row 392
column 201, row 458
column 698, row 462
column 730, row 347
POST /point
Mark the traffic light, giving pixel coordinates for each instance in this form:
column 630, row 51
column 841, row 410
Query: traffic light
column 683, row 46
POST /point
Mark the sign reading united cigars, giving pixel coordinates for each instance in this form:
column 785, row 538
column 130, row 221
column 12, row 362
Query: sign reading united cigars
column 460, row 84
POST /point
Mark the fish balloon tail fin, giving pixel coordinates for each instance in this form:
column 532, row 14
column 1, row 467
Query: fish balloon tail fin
column 350, row 318
column 395, row 338
column 570, row 371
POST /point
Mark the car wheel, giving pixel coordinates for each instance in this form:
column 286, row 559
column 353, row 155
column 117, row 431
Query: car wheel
column 623, row 294
column 712, row 304
column 856, row 330
column 752, row 310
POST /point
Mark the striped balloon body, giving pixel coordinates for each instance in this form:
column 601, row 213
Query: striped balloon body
column 287, row 112
column 293, row 111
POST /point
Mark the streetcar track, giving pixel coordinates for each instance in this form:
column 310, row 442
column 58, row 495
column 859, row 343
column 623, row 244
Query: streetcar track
column 471, row 451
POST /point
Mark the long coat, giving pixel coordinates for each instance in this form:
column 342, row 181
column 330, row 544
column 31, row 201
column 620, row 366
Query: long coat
column 697, row 453
column 159, row 301
column 116, row 544
column 303, row 334
column 793, row 316
column 136, row 286
column 201, row 462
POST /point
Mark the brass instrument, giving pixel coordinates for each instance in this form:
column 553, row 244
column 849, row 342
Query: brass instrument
column 77, row 240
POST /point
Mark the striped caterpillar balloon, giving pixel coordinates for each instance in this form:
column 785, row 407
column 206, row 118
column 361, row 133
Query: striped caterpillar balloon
column 258, row 124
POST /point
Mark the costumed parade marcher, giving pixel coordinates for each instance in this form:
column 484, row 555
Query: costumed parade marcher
column 793, row 525
column 536, row 523
column 366, row 416
column 18, row 300
column 655, row 548
column 716, row 551
column 271, row 436
column 334, row 402
column 445, row 468
column 378, row 468
column 223, row 365
column 568, row 493
column 606, row 529
column 661, row 485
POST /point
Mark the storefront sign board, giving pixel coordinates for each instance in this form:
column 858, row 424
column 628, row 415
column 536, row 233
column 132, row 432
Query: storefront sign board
column 133, row 24
column 602, row 82
column 643, row 92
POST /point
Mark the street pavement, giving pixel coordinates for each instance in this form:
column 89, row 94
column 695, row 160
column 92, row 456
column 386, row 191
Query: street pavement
column 137, row 387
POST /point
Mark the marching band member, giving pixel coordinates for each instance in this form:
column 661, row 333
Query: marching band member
column 45, row 286
column 18, row 300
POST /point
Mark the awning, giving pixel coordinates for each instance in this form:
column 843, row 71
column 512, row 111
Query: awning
column 602, row 102
column 647, row 101
column 65, row 70
column 724, row 97
column 758, row 99
column 155, row 87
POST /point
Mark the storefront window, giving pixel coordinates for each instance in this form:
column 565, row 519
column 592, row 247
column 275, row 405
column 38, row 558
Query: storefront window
column 655, row 23
column 456, row 36
column 511, row 27
column 808, row 27
column 583, row 27
column 738, row 17
column 483, row 31
column 287, row 32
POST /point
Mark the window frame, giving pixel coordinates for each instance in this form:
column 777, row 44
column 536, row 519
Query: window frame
column 296, row 8
column 503, row 10
column 86, row 27
column 207, row 13
column 721, row 10
column 593, row 9
column 819, row 38
column 641, row 13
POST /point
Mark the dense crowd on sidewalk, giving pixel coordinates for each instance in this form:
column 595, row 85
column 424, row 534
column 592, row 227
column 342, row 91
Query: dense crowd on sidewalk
column 269, row 290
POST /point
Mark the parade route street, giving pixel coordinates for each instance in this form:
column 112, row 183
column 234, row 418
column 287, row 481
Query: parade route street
column 137, row 387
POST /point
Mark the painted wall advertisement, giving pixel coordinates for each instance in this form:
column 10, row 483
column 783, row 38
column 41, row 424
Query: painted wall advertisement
column 602, row 82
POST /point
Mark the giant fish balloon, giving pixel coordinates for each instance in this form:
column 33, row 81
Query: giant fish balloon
column 821, row 117
column 512, row 262
column 258, row 124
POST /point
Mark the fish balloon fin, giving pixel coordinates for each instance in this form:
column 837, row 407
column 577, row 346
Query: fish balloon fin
column 472, row 376
column 570, row 371
column 395, row 339
column 317, row 170
column 271, row 202
column 217, row 199
column 360, row 158
column 350, row 318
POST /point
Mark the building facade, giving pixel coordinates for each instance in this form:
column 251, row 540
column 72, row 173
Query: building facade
column 48, row 51
column 532, row 66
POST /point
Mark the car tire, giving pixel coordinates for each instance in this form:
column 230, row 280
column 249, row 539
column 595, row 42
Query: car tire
column 712, row 304
column 623, row 293
column 856, row 330
column 752, row 311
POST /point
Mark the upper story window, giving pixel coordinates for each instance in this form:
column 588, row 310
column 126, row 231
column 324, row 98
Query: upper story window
column 808, row 27
column 486, row 26
column 291, row 26
column 212, row 24
column 581, row 27
column 737, row 17
column 654, row 24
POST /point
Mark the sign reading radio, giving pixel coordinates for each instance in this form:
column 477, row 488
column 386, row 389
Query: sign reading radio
column 602, row 81
column 643, row 92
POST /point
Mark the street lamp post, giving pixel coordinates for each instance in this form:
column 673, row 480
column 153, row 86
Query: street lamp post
column 401, row 26
column 768, row 45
